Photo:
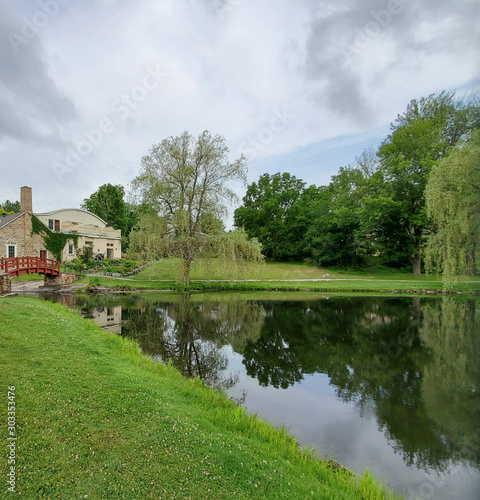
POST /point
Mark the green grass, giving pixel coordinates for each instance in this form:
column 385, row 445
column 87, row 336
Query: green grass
column 97, row 419
column 29, row 277
column 288, row 276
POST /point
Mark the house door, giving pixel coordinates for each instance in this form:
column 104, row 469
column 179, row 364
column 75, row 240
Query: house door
column 43, row 254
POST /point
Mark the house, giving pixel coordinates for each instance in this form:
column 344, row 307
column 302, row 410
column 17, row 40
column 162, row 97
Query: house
column 16, row 233
column 17, row 236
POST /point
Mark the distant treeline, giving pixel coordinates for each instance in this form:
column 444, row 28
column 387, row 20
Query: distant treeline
column 413, row 201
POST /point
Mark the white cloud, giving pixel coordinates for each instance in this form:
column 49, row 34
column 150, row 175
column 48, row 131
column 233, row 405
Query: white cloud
column 227, row 69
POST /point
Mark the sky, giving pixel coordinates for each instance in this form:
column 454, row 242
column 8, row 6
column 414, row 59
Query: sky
column 299, row 86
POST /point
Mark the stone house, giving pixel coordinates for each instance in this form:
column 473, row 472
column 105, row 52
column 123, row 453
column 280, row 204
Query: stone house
column 18, row 239
column 16, row 232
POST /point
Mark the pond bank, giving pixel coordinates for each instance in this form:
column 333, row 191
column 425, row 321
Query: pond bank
column 96, row 417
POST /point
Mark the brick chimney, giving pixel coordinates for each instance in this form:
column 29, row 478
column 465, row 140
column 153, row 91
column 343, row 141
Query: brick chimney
column 26, row 199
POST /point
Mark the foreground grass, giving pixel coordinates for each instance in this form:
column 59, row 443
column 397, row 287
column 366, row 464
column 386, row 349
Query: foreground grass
column 97, row 419
column 286, row 276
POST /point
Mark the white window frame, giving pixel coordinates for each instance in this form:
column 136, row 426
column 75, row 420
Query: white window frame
column 10, row 245
column 71, row 249
column 51, row 224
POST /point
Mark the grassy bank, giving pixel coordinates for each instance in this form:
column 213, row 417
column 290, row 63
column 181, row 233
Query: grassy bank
column 286, row 276
column 97, row 419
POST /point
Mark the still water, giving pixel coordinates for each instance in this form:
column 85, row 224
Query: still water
column 388, row 384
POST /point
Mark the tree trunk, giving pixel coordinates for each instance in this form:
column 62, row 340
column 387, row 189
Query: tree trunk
column 185, row 271
column 417, row 263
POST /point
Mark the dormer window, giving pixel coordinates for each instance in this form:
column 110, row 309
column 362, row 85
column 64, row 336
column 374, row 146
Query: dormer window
column 54, row 225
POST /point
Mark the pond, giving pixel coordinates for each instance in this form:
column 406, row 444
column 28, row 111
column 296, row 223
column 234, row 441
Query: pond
column 385, row 383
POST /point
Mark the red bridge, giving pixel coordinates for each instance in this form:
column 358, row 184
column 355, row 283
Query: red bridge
column 15, row 266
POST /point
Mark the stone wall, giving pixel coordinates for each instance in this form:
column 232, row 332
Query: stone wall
column 19, row 233
column 63, row 279
column 5, row 283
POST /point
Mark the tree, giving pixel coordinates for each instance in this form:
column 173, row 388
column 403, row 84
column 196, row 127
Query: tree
column 423, row 134
column 453, row 203
column 149, row 237
column 10, row 207
column 274, row 211
column 109, row 204
column 184, row 179
column 334, row 229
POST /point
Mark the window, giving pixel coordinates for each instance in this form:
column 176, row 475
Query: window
column 43, row 254
column 51, row 223
column 70, row 249
column 11, row 251
column 57, row 226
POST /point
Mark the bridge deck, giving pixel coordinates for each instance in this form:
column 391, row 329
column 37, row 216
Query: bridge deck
column 15, row 266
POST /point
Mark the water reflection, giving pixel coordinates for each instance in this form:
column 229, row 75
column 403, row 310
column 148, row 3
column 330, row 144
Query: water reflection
column 191, row 335
column 411, row 362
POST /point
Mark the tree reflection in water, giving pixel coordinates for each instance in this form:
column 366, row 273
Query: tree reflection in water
column 411, row 362
column 415, row 364
column 190, row 335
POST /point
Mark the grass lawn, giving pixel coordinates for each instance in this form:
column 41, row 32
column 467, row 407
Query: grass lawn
column 29, row 277
column 94, row 418
column 287, row 276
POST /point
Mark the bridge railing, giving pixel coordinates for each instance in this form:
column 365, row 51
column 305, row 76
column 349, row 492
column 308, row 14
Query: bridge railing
column 22, row 265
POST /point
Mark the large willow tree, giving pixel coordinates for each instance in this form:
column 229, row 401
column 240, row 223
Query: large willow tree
column 184, row 179
column 453, row 202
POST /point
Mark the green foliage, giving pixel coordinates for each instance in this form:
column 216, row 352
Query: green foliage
column 109, row 419
column 183, row 180
column 54, row 242
column 231, row 255
column 109, row 204
column 150, row 238
column 85, row 254
column 11, row 207
column 276, row 210
column 453, row 203
column 334, row 232
column 94, row 281
column 423, row 134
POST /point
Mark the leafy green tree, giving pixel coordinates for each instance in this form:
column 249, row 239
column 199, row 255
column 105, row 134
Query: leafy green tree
column 184, row 179
column 423, row 134
column 453, row 203
column 109, row 204
column 10, row 207
column 275, row 211
column 149, row 239
column 334, row 232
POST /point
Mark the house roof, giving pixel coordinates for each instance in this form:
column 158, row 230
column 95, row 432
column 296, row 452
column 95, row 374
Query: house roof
column 72, row 209
column 9, row 218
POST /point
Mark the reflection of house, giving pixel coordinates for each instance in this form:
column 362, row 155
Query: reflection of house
column 109, row 318
column 17, row 237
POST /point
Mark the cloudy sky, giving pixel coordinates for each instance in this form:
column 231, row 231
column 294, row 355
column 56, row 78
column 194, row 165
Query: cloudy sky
column 302, row 86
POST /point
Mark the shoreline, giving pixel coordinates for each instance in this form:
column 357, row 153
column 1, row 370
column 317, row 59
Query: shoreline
column 95, row 390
